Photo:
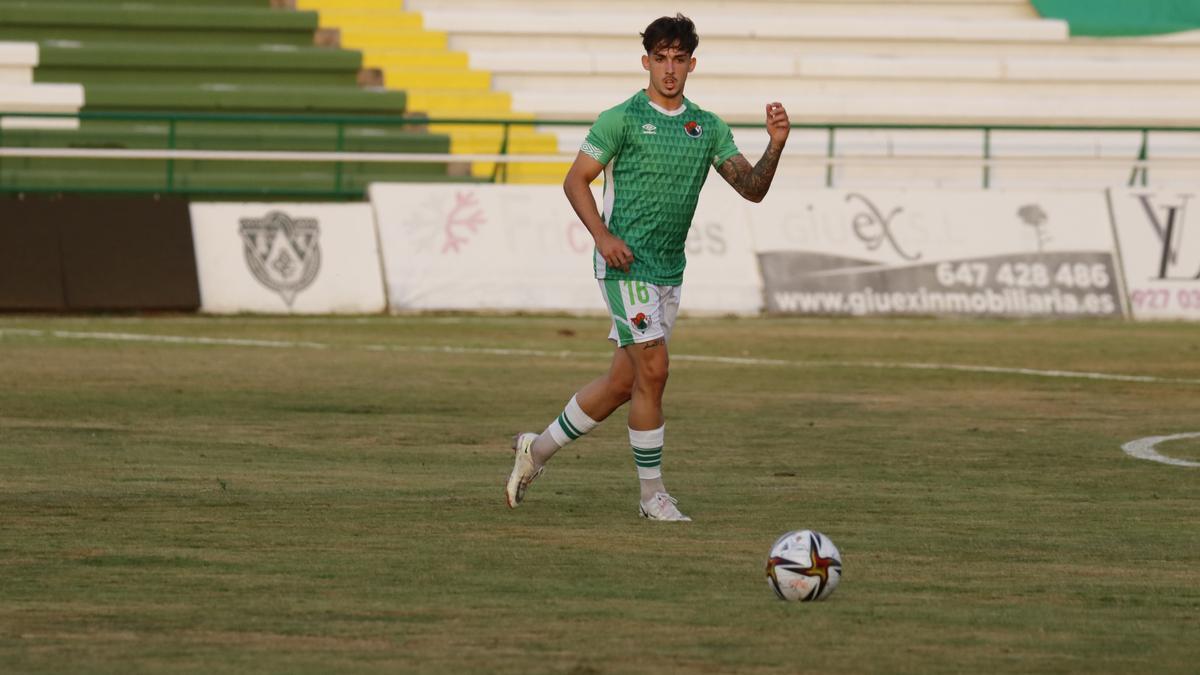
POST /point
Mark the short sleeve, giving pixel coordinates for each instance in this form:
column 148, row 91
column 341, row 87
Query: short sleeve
column 605, row 138
column 724, row 147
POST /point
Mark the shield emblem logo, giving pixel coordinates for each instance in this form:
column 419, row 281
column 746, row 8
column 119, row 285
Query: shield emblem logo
column 283, row 253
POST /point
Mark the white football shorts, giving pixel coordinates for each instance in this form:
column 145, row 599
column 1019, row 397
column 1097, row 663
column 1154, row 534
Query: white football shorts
column 640, row 311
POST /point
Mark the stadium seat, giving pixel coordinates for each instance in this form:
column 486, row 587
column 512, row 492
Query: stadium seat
column 932, row 62
column 17, row 60
column 171, row 22
column 160, row 63
column 19, row 94
column 924, row 62
column 206, row 56
column 438, row 83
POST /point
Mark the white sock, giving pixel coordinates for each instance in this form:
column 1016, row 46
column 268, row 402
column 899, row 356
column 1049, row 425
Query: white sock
column 570, row 425
column 647, row 455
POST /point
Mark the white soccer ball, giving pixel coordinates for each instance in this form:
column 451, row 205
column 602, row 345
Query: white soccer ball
column 803, row 565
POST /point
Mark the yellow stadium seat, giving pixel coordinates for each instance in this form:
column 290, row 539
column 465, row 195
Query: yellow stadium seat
column 372, row 20
column 437, row 78
column 439, row 83
column 414, row 58
column 367, row 39
column 321, row 5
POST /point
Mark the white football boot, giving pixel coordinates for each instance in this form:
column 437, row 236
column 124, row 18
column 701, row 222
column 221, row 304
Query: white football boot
column 661, row 507
column 523, row 472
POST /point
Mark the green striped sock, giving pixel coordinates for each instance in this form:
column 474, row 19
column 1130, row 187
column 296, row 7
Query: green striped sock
column 571, row 424
column 647, row 451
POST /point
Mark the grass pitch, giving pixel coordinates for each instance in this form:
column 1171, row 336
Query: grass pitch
column 325, row 495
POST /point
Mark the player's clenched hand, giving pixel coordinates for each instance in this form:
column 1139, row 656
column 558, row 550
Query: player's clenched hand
column 778, row 125
column 615, row 252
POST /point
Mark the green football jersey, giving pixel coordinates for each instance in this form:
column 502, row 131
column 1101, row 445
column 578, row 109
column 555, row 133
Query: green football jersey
column 655, row 164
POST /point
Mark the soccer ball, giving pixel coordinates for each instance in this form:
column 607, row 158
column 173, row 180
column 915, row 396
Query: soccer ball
column 803, row 565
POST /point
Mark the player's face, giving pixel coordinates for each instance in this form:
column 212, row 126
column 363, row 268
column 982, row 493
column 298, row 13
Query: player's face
column 669, row 68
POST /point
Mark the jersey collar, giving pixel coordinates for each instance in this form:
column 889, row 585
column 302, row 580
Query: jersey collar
column 669, row 113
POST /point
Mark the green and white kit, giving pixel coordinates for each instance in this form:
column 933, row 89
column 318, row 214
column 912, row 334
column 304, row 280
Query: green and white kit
column 656, row 162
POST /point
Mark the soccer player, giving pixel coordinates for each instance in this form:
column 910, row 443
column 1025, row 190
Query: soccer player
column 654, row 150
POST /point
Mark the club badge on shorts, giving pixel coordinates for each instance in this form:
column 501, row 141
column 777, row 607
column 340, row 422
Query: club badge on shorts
column 692, row 129
column 640, row 322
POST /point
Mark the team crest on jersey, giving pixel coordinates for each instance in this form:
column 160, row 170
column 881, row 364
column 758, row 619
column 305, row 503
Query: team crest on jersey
column 693, row 129
column 640, row 322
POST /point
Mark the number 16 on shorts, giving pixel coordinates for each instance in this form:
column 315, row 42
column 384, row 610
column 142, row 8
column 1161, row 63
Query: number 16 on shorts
column 640, row 311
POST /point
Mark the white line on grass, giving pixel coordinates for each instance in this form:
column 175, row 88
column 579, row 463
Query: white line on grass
column 1144, row 448
column 172, row 339
column 493, row 351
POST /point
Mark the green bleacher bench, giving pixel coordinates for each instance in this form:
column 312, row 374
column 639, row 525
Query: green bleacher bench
column 247, row 180
column 173, row 23
column 220, row 176
column 159, row 63
column 208, row 56
column 244, row 98
column 208, row 3
column 208, row 135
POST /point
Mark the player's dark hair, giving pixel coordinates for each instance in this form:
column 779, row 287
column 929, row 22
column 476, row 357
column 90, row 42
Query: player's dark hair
column 671, row 31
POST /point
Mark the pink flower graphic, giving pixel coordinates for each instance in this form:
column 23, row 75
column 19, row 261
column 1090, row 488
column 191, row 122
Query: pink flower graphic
column 462, row 221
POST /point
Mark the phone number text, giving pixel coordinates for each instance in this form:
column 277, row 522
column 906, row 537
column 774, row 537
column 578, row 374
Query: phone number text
column 1024, row 275
column 1178, row 299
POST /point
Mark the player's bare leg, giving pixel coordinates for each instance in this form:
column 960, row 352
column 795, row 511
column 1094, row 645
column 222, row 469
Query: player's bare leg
column 597, row 399
column 602, row 396
column 651, row 364
column 590, row 406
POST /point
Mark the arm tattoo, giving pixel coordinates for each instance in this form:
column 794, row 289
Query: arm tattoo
column 751, row 183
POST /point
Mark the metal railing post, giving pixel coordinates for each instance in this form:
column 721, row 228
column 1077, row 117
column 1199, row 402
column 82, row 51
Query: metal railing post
column 987, row 158
column 339, row 146
column 501, row 168
column 1143, row 154
column 829, row 153
column 170, row 162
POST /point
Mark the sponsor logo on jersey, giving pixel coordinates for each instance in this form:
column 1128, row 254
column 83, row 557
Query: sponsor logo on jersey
column 640, row 322
column 693, row 129
column 649, row 129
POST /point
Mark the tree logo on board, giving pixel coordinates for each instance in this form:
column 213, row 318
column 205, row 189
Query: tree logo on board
column 1035, row 217
column 283, row 253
